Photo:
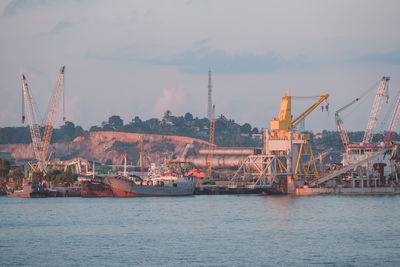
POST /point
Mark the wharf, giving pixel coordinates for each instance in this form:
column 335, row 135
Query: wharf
column 68, row 191
column 222, row 188
column 306, row 191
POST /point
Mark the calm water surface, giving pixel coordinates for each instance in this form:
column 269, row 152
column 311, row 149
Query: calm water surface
column 244, row 230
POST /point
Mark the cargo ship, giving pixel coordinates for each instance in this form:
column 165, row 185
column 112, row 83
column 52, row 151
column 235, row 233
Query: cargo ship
column 34, row 190
column 125, row 186
column 95, row 188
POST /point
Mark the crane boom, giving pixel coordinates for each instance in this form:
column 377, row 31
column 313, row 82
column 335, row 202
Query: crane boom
column 31, row 112
column 48, row 131
column 303, row 115
column 380, row 94
column 41, row 146
column 339, row 123
column 284, row 121
column 393, row 121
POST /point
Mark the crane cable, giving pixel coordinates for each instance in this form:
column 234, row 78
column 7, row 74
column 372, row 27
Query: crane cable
column 361, row 98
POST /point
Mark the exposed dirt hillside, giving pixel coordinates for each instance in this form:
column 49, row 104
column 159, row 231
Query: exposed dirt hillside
column 103, row 146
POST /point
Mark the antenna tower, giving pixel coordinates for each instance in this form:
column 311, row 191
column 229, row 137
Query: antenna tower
column 209, row 110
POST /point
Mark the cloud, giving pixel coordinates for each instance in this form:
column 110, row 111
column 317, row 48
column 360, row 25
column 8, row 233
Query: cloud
column 392, row 58
column 131, row 53
column 60, row 27
column 197, row 61
column 170, row 99
column 21, row 5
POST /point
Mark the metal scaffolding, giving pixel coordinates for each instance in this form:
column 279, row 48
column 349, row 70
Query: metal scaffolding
column 262, row 171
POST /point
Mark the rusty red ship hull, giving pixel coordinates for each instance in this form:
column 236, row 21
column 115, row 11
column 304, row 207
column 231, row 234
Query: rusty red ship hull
column 95, row 189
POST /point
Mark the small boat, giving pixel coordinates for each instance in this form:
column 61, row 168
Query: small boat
column 34, row 190
column 125, row 186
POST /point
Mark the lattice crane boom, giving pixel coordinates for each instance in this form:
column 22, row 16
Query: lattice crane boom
column 339, row 123
column 41, row 146
column 393, row 122
column 32, row 118
column 48, row 131
column 380, row 95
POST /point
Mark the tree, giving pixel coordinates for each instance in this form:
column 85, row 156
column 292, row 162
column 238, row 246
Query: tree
column 95, row 129
column 188, row 116
column 4, row 167
column 79, row 131
column 115, row 122
column 136, row 120
column 68, row 131
column 167, row 114
column 58, row 177
column 245, row 128
column 18, row 175
column 153, row 123
column 37, row 177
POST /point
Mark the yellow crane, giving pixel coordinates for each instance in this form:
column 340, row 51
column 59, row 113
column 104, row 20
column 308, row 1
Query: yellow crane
column 284, row 121
column 282, row 127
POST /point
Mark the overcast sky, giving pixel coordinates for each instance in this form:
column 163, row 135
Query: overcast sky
column 132, row 58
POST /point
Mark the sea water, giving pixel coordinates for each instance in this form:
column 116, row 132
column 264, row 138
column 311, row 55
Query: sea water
column 216, row 230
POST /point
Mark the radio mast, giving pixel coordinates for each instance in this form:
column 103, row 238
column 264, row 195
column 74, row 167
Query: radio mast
column 209, row 110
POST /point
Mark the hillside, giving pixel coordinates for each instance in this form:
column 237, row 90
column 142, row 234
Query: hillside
column 107, row 146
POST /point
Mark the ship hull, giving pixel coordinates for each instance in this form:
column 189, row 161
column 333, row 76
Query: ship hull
column 33, row 194
column 124, row 187
column 95, row 189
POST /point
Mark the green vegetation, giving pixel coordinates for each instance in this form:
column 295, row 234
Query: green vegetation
column 163, row 146
column 18, row 176
column 22, row 135
column 58, row 177
column 227, row 132
column 4, row 171
column 4, row 167
column 131, row 149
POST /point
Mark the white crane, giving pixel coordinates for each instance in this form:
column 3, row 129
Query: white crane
column 393, row 122
column 339, row 123
column 31, row 112
column 380, row 95
column 41, row 146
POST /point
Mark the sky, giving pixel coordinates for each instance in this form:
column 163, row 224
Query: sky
column 140, row 58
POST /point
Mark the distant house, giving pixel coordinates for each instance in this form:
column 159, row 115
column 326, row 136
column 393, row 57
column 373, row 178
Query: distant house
column 257, row 136
column 167, row 121
column 318, row 136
